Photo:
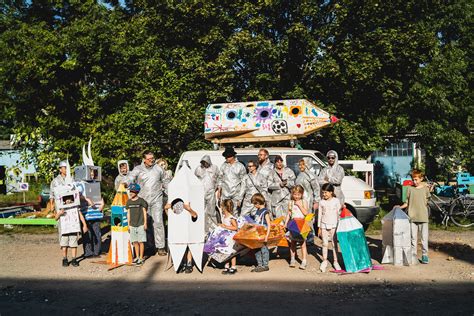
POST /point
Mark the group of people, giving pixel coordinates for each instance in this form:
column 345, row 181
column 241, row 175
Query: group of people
column 264, row 191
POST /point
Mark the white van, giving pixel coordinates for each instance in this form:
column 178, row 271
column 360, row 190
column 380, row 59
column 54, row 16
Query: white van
column 359, row 196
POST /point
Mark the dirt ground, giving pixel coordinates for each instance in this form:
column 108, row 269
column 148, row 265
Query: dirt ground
column 32, row 281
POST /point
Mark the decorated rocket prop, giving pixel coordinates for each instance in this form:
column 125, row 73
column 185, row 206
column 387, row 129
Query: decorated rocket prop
column 396, row 238
column 120, row 251
column 351, row 237
column 264, row 120
column 183, row 232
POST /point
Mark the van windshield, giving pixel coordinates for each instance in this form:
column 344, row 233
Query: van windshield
column 321, row 157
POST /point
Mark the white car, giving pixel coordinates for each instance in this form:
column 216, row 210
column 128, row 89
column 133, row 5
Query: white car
column 359, row 196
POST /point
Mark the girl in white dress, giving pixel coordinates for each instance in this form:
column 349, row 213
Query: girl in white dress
column 229, row 222
column 328, row 218
column 297, row 208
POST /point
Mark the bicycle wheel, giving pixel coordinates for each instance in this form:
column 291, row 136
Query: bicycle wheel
column 462, row 213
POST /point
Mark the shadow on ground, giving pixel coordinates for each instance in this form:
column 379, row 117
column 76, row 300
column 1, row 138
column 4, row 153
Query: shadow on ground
column 23, row 297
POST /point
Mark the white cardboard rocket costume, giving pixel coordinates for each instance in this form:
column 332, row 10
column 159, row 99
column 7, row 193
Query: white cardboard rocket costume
column 396, row 238
column 68, row 223
column 183, row 232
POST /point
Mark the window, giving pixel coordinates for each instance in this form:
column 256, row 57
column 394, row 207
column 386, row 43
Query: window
column 246, row 158
column 293, row 160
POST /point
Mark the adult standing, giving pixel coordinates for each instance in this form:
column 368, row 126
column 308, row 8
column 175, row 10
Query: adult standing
column 122, row 166
column 208, row 174
column 283, row 180
column 254, row 182
column 153, row 183
column 308, row 180
column 230, row 179
column 58, row 181
column 333, row 174
column 265, row 168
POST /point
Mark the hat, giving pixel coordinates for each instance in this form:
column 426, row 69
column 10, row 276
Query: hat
column 63, row 164
column 229, row 152
column 134, row 187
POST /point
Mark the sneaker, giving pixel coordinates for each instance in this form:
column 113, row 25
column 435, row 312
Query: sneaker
column 65, row 262
column 303, row 265
column 259, row 269
column 232, row 271
column 265, row 268
column 424, row 259
column 256, row 268
column 323, row 266
column 74, row 262
column 188, row 269
column 292, row 263
column 162, row 252
column 226, row 271
column 135, row 260
column 336, row 266
column 139, row 262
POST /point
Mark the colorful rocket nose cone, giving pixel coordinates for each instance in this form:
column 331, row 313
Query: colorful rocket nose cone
column 334, row 119
column 346, row 213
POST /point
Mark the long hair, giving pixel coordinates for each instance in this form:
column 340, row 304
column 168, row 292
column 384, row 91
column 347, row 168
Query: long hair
column 228, row 205
column 329, row 188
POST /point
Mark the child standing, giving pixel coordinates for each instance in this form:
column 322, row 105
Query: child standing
column 178, row 206
column 328, row 218
column 69, row 230
column 417, row 204
column 137, row 222
column 297, row 208
column 229, row 222
column 262, row 217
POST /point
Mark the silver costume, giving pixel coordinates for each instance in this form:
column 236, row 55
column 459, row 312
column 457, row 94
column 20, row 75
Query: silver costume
column 122, row 177
column 153, row 183
column 230, row 181
column 209, row 177
column 281, row 195
column 266, row 170
column 58, row 181
column 333, row 175
column 309, row 182
column 253, row 183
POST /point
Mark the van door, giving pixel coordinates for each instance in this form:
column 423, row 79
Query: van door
column 292, row 161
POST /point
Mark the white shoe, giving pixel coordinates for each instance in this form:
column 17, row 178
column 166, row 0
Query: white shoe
column 336, row 266
column 292, row 263
column 323, row 266
column 303, row 265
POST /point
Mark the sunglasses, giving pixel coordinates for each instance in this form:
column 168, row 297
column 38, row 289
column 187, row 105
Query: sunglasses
column 331, row 158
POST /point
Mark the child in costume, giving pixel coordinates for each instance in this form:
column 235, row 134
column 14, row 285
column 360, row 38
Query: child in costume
column 328, row 218
column 137, row 222
column 262, row 217
column 178, row 206
column 417, row 204
column 297, row 208
column 229, row 222
column 70, row 239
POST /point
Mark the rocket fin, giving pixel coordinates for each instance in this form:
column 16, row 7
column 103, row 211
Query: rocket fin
column 84, row 155
column 89, row 153
column 196, row 251
column 177, row 253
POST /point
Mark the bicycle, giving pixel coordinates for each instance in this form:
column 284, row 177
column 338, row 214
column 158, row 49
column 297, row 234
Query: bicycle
column 459, row 208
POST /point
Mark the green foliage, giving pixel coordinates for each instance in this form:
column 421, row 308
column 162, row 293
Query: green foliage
column 137, row 75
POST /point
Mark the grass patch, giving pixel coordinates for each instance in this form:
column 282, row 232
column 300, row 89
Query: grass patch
column 23, row 229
